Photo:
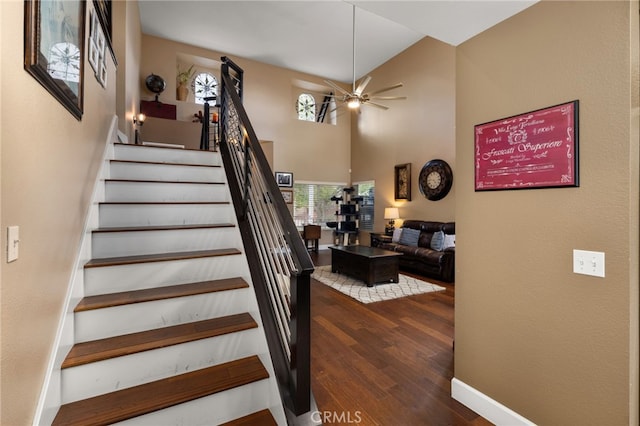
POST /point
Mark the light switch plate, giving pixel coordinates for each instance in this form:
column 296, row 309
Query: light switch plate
column 588, row 263
column 13, row 241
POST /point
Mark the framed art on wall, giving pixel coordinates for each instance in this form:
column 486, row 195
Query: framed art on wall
column 284, row 179
column 97, row 49
column 402, row 182
column 54, row 49
column 104, row 15
column 537, row 149
column 287, row 194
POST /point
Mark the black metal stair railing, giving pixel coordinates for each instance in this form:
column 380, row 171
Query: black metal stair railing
column 278, row 260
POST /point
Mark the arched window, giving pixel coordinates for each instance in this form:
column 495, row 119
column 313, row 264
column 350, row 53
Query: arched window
column 306, row 107
column 204, row 85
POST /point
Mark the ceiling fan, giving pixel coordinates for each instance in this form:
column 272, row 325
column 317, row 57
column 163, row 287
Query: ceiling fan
column 357, row 97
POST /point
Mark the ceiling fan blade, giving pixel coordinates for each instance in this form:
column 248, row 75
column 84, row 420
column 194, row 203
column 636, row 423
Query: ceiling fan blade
column 376, row 105
column 388, row 98
column 335, row 86
column 362, row 85
column 395, row 86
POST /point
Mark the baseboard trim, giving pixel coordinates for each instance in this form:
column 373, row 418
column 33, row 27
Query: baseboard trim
column 487, row 407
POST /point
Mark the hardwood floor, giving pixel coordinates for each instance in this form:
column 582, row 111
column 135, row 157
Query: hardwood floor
column 386, row 363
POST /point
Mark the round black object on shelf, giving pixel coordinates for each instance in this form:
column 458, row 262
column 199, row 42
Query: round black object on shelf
column 156, row 84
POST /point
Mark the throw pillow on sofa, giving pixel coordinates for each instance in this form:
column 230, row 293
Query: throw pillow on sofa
column 449, row 241
column 437, row 241
column 396, row 235
column 409, row 237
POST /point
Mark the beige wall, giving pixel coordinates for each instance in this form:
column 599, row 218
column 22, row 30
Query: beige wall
column 549, row 344
column 49, row 164
column 312, row 151
column 415, row 130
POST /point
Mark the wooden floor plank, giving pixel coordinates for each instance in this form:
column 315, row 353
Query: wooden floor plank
column 127, row 403
column 98, row 350
column 385, row 363
column 158, row 293
column 260, row 418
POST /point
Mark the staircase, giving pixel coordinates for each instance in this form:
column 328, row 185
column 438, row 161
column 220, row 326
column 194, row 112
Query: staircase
column 168, row 330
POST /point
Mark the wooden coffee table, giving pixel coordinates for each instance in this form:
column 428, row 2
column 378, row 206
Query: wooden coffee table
column 369, row 264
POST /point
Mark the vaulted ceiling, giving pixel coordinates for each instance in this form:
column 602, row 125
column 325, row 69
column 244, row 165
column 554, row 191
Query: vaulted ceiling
column 316, row 36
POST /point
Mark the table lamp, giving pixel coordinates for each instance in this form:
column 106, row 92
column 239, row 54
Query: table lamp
column 391, row 214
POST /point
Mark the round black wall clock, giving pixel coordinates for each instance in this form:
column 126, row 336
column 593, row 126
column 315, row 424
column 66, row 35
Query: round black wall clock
column 435, row 179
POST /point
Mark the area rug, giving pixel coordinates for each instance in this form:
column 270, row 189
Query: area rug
column 407, row 286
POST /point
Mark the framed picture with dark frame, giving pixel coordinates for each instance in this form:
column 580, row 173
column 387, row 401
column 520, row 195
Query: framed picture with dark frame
column 536, row 149
column 402, row 182
column 287, row 194
column 284, row 179
column 104, row 14
column 54, row 49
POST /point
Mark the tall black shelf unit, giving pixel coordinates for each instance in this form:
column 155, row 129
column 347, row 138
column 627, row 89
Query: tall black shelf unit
column 347, row 218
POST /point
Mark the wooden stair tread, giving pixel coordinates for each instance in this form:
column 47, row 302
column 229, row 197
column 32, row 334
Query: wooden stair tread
column 163, row 227
column 161, row 203
column 111, row 347
column 259, row 418
column 163, row 181
column 158, row 293
column 164, row 163
column 164, row 147
column 146, row 398
column 161, row 257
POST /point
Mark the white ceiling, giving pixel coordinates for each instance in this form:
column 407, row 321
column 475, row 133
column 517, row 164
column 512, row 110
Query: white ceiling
column 315, row 36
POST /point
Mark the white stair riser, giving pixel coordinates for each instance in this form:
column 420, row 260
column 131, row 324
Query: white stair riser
column 166, row 172
column 118, row 373
column 211, row 410
column 114, row 244
column 181, row 156
column 108, row 322
column 113, row 374
column 114, row 215
column 115, row 279
column 164, row 192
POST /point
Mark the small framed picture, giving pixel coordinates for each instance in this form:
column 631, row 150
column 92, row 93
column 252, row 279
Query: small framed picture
column 402, row 180
column 284, row 179
column 287, row 194
column 102, row 76
column 94, row 55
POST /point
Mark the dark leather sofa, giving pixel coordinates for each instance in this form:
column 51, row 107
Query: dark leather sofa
column 423, row 259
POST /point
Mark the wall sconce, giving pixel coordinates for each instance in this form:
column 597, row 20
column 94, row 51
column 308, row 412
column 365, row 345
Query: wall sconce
column 138, row 121
column 391, row 214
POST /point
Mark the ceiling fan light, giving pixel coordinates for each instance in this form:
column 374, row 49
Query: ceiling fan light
column 353, row 103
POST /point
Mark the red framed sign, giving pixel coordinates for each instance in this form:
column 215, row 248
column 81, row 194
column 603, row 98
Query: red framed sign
column 538, row 149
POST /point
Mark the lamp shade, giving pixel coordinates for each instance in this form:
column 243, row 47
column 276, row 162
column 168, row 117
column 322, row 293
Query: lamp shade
column 391, row 213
